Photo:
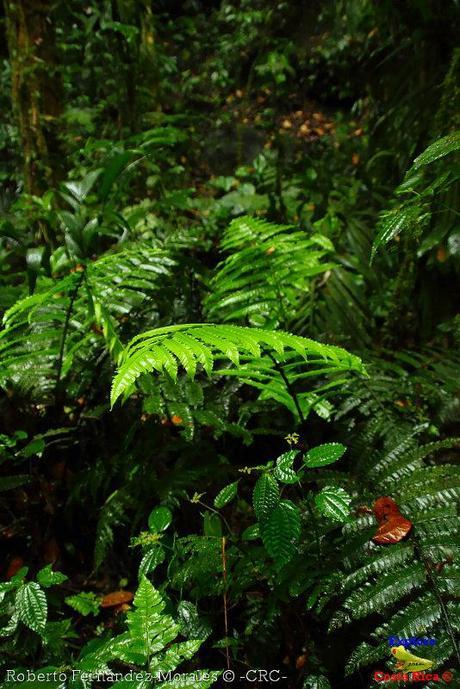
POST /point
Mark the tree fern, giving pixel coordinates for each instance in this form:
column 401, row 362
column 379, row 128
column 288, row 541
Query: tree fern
column 270, row 361
column 268, row 274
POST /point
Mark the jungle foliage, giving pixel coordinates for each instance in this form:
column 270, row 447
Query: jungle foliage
column 230, row 350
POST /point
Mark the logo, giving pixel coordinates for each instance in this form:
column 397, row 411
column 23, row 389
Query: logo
column 410, row 667
column 410, row 641
column 408, row 662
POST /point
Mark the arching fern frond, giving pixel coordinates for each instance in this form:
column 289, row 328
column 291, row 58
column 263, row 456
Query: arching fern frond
column 70, row 318
column 257, row 355
column 268, row 274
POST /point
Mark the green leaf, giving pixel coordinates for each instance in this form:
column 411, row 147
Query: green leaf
column 35, row 447
column 322, row 455
column 159, row 519
column 150, row 630
column 192, row 625
column 393, row 222
column 31, row 606
column 226, row 495
column 281, row 532
column 166, row 349
column 252, row 533
column 46, row 577
column 265, row 497
column 334, row 503
column 439, row 149
column 151, row 559
column 86, row 603
column 283, row 470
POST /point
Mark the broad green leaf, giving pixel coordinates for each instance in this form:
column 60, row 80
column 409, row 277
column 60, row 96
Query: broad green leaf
column 252, row 533
column 46, row 577
column 151, row 559
column 439, row 149
column 283, row 470
column 192, row 625
column 159, row 519
column 265, row 497
column 226, row 495
column 322, row 455
column 31, row 606
column 334, row 503
column 281, row 532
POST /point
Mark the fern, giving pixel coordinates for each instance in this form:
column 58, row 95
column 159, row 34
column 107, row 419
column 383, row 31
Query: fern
column 270, row 361
column 148, row 645
column 425, row 189
column 67, row 320
column 409, row 583
column 112, row 515
column 268, row 274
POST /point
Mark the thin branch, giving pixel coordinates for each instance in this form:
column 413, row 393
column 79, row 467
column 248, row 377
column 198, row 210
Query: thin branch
column 64, row 336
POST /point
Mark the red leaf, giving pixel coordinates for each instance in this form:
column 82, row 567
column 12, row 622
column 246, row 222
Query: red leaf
column 393, row 527
column 393, row 530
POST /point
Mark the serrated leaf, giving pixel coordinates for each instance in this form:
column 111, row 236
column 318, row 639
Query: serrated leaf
column 265, row 497
column 322, row 455
column 334, row 502
column 46, row 577
column 283, row 470
column 226, row 495
column 281, row 532
column 151, row 559
column 31, row 606
column 86, row 603
column 159, row 519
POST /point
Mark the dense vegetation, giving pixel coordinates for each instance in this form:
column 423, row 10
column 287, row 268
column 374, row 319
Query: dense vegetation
column 230, row 262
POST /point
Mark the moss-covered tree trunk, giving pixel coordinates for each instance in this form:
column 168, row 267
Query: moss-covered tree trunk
column 36, row 89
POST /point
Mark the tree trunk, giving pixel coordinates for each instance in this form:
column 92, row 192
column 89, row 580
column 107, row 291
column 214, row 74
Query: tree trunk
column 36, row 90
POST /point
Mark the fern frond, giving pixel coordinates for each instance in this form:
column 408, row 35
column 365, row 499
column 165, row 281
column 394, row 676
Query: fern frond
column 111, row 515
column 259, row 356
column 70, row 318
column 268, row 273
column 386, row 591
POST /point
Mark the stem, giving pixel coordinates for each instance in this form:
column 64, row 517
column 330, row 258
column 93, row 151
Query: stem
column 224, row 570
column 288, row 385
column 64, row 337
column 438, row 594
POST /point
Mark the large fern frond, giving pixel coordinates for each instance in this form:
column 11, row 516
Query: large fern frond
column 258, row 356
column 268, row 274
column 73, row 317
